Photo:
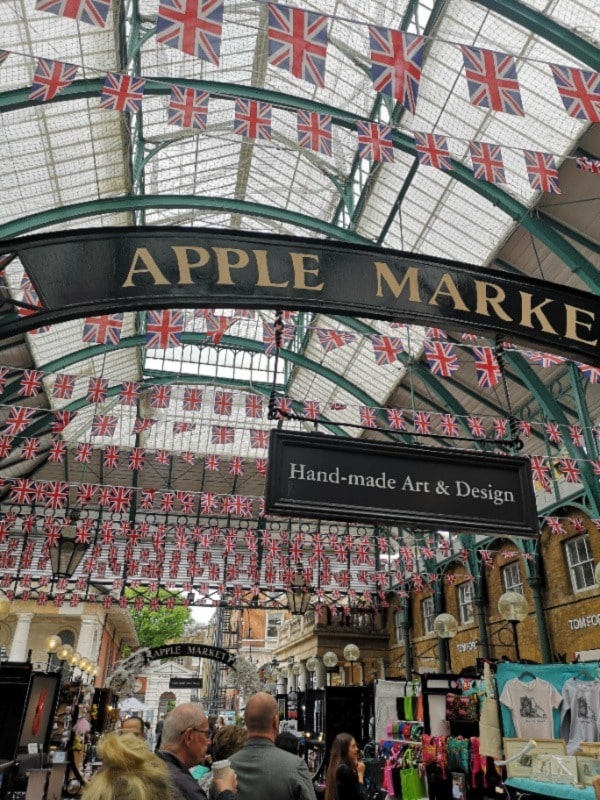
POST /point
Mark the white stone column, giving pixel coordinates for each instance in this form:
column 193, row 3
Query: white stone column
column 18, row 647
column 320, row 674
column 302, row 679
column 86, row 637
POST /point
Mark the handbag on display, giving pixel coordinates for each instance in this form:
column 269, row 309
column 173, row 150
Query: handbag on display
column 412, row 783
column 459, row 753
column 409, row 703
column 462, row 708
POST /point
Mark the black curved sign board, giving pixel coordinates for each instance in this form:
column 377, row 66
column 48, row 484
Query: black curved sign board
column 117, row 269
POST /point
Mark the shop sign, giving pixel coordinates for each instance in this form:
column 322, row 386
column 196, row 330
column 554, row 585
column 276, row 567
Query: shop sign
column 119, row 269
column 321, row 476
column 185, row 683
column 465, row 647
column 579, row 623
column 195, row 650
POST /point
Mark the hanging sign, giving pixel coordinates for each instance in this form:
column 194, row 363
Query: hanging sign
column 178, row 650
column 119, row 269
column 185, row 683
column 313, row 475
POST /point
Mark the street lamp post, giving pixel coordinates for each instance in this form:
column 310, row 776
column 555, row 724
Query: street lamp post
column 351, row 654
column 513, row 607
column 445, row 627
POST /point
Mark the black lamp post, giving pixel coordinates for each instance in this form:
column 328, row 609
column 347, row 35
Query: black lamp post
column 513, row 607
column 298, row 595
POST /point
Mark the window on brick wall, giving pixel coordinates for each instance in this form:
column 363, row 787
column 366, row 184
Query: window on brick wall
column 580, row 562
column 428, row 612
column 273, row 625
column 511, row 578
column 465, row 603
column 398, row 617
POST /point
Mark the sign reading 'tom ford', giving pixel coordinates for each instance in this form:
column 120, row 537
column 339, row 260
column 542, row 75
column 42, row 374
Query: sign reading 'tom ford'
column 328, row 478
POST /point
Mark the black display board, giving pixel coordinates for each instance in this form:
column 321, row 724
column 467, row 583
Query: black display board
column 14, row 690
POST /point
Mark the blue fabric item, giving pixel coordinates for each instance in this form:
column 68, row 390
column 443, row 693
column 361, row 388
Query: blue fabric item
column 556, row 674
column 562, row 790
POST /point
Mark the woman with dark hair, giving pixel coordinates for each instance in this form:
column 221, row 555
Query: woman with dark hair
column 346, row 772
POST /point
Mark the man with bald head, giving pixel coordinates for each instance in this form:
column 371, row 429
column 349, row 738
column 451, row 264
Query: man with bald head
column 185, row 738
column 263, row 770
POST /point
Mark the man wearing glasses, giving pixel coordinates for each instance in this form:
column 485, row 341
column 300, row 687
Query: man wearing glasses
column 185, row 738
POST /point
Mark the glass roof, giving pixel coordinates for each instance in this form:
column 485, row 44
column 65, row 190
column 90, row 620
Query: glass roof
column 68, row 164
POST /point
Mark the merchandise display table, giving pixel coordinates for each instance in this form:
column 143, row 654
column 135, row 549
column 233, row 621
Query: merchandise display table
column 541, row 789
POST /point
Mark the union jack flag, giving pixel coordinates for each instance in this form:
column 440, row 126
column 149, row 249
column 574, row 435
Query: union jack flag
column 500, row 427
column 122, row 92
column 314, row 132
column 252, row 119
column 129, row 393
column 105, row 329
column 298, row 42
column 58, row 451
column 18, row 419
column 63, row 386
column 441, row 357
column 254, row 406
column 432, row 150
column 3, row 377
column 188, row 108
column 449, row 425
column 217, row 326
column 396, row 61
column 6, row 443
column 31, row 383
column 93, row 12
column 97, row 390
column 588, row 164
column 164, row 329
column 422, row 422
column 183, row 427
column 4, row 54
column 541, row 171
column 525, row 428
column 103, row 425
column 222, row 434
column 368, row 416
column 311, row 409
column 111, row 456
column 193, row 26
column 570, row 470
column 553, row 432
column 137, row 458
column 261, row 465
column 386, row 348
column 556, row 526
column 167, row 502
column 492, row 80
column 579, row 90
column 487, row 162
column 396, row 419
column 270, row 337
column 374, row 141
column 192, row 399
column 212, row 463
column 50, row 78
column 162, row 457
column 488, row 370
column 591, row 373
column 330, row 339
column 57, row 494
column 22, row 492
column 84, row 453
column 160, row 396
column 544, row 359
column 223, row 402
column 236, row 466
column 258, row 438
column 140, row 425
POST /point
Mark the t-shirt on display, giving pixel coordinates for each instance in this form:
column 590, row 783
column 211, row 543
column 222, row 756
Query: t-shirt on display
column 531, row 704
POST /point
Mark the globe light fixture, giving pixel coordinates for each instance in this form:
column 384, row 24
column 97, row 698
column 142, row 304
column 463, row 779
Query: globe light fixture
column 445, row 628
column 351, row 654
column 64, row 652
column 513, row 607
column 330, row 659
column 297, row 668
column 51, row 645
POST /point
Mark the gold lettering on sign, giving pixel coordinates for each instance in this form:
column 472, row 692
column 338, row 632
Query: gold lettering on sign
column 528, row 311
column 148, row 266
column 301, row 271
column 225, row 265
column 264, row 279
column 572, row 323
column 447, row 288
column 185, row 265
column 489, row 299
column 411, row 277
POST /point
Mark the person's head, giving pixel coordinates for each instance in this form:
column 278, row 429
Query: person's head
column 134, row 725
column 344, row 750
column 129, row 771
column 186, row 734
column 227, row 741
column 262, row 716
column 287, row 741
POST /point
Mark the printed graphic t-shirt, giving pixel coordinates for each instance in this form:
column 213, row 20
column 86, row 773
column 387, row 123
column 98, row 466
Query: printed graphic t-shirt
column 531, row 705
column 580, row 712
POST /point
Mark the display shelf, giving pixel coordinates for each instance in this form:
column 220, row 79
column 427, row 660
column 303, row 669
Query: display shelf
column 542, row 789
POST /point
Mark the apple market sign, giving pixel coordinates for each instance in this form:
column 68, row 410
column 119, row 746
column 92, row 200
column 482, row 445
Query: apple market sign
column 118, row 269
column 321, row 476
column 178, row 650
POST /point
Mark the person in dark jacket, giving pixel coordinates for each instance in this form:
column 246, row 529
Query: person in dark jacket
column 185, row 738
column 346, row 772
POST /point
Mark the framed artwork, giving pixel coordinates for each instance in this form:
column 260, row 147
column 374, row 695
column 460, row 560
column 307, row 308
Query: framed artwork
column 520, row 763
column 553, row 768
column 458, row 782
column 39, row 711
column 588, row 767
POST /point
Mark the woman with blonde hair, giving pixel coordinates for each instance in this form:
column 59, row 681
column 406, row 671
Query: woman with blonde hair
column 129, row 771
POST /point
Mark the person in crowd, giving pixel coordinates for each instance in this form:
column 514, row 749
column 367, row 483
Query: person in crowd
column 287, row 741
column 226, row 741
column 264, row 770
column 346, row 772
column 134, row 725
column 158, row 732
column 129, row 771
column 185, row 738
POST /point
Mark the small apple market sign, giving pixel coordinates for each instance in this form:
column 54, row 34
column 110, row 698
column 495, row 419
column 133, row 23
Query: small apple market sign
column 320, row 476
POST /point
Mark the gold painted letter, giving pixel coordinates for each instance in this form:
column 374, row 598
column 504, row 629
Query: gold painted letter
column 150, row 267
column 572, row 323
column 262, row 264
column 528, row 311
column 300, row 271
column 225, row 266
column 488, row 302
column 185, row 265
column 384, row 273
column 447, row 288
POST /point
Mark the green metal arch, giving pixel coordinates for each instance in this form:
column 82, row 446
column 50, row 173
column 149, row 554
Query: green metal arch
column 159, row 86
